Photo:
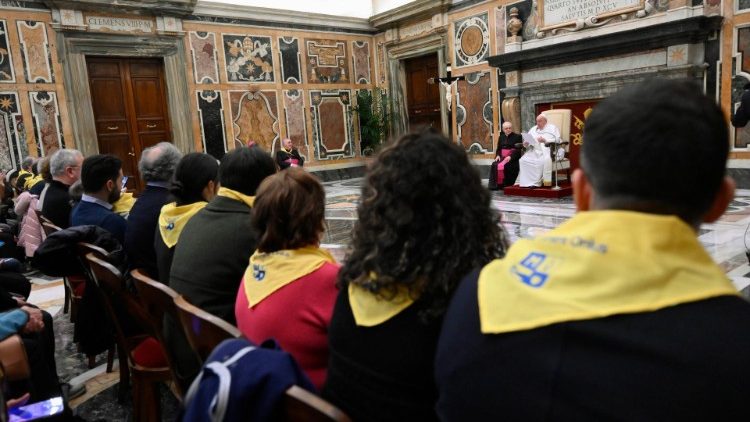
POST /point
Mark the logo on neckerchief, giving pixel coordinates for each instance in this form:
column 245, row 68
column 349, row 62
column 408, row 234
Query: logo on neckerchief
column 529, row 270
column 259, row 272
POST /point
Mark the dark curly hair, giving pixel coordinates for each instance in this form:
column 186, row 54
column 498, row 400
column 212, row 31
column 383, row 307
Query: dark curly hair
column 424, row 222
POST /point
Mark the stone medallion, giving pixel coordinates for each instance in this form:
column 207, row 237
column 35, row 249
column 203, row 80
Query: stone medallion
column 472, row 40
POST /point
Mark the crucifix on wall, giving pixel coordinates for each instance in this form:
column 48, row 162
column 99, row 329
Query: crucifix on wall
column 448, row 81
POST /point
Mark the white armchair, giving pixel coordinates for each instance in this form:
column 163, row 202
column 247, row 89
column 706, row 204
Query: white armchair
column 561, row 118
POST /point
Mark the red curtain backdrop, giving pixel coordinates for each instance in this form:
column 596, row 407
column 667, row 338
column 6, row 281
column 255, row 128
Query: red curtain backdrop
column 580, row 110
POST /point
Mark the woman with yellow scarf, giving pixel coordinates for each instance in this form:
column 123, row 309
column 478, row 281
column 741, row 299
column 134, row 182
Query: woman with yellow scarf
column 195, row 182
column 289, row 286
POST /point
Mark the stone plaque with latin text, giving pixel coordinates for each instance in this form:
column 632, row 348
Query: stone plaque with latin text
column 117, row 24
column 556, row 13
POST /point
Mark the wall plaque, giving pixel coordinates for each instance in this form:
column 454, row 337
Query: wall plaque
column 557, row 13
column 117, row 24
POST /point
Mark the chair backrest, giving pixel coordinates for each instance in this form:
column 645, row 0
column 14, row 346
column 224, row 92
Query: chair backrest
column 203, row 331
column 301, row 405
column 158, row 300
column 111, row 285
column 561, row 117
column 48, row 228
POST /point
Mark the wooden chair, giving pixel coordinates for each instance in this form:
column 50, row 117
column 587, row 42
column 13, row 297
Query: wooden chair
column 84, row 249
column 203, row 331
column 301, row 405
column 146, row 401
column 158, row 300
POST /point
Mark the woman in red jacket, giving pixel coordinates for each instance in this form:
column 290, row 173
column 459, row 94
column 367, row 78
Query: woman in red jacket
column 289, row 287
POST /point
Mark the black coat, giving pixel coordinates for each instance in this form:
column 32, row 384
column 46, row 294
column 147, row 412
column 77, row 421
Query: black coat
column 212, row 255
column 142, row 221
column 683, row 362
column 282, row 158
column 56, row 206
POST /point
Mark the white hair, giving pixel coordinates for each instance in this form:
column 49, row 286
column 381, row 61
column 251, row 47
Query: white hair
column 542, row 115
column 62, row 159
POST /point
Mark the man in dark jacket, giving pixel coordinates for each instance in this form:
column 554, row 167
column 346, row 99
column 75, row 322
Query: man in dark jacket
column 618, row 312
column 215, row 245
column 65, row 168
column 156, row 166
column 101, row 176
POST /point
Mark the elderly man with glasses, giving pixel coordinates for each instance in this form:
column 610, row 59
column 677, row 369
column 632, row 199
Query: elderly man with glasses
column 65, row 168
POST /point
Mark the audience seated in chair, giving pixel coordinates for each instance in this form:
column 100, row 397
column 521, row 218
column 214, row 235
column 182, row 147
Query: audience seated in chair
column 289, row 287
column 410, row 249
column 65, row 168
column 618, row 312
column 101, row 176
column 535, row 167
column 156, row 166
column 216, row 244
column 195, row 183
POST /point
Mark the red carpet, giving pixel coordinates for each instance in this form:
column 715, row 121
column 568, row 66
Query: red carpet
column 544, row 192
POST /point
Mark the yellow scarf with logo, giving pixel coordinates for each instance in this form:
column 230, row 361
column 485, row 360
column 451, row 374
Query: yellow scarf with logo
column 369, row 309
column 124, row 204
column 31, row 181
column 237, row 196
column 597, row 264
column 172, row 220
column 271, row 271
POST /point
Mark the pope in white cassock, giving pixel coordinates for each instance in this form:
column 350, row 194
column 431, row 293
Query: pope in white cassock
column 536, row 163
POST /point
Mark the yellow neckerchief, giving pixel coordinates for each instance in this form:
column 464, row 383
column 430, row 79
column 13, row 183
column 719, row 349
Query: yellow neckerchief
column 31, row 181
column 172, row 220
column 271, row 271
column 370, row 309
column 237, row 196
column 597, row 264
column 124, row 204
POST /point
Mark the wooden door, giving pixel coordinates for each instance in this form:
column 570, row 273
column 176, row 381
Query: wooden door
column 423, row 99
column 130, row 109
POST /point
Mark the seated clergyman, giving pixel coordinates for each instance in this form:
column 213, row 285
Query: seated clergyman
column 536, row 163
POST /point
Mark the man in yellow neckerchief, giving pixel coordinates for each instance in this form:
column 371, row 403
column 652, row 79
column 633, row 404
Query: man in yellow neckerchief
column 618, row 313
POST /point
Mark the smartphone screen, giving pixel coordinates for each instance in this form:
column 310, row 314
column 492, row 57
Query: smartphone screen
column 124, row 183
column 42, row 409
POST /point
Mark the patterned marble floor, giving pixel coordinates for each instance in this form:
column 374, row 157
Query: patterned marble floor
column 522, row 217
column 528, row 217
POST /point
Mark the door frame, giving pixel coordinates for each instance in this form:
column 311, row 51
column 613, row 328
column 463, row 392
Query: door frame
column 73, row 47
column 434, row 43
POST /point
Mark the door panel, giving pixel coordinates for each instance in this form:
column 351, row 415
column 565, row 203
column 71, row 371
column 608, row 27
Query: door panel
column 130, row 109
column 423, row 99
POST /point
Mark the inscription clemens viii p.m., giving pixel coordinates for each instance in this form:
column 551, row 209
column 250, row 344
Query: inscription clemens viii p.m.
column 557, row 12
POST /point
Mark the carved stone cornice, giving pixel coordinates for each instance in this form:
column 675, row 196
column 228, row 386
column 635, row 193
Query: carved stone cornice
column 264, row 16
column 409, row 12
column 143, row 7
column 685, row 31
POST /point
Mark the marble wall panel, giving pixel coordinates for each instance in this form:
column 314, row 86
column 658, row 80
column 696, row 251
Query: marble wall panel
column 295, row 120
column 361, row 62
column 332, row 124
column 471, row 40
column 37, row 62
column 211, row 112
column 249, row 58
column 500, row 30
column 205, row 61
column 291, row 72
column 12, row 132
column 255, row 117
column 7, row 74
column 474, row 113
column 46, row 117
column 327, row 61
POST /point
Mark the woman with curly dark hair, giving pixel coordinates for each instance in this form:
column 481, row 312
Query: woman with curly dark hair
column 424, row 222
